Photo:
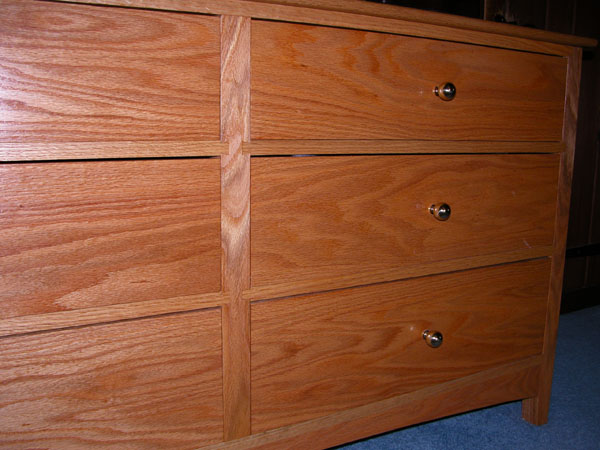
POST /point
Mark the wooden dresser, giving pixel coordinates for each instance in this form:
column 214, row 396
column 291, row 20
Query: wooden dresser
column 274, row 224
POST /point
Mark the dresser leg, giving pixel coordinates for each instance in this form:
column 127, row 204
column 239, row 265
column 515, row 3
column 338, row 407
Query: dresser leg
column 535, row 410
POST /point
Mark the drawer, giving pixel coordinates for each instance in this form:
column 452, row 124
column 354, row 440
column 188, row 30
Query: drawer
column 143, row 384
column 87, row 73
column 321, row 218
column 85, row 234
column 311, row 82
column 315, row 355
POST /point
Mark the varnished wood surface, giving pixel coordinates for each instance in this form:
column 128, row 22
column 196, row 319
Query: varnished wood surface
column 110, row 313
column 322, row 83
column 435, row 18
column 96, row 246
column 364, row 277
column 507, row 382
column 535, row 410
column 235, row 223
column 319, row 354
column 80, row 73
column 143, row 384
column 318, row 218
column 88, row 234
column 338, row 17
column 375, row 146
column 108, row 150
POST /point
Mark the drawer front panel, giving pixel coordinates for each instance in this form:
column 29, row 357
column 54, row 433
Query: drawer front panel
column 318, row 354
column 83, row 73
column 143, row 384
column 318, row 218
column 312, row 82
column 85, row 234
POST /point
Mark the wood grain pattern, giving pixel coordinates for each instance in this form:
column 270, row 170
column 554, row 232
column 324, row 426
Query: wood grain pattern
column 500, row 384
column 354, row 19
column 435, row 18
column 88, row 234
column 77, row 73
column 346, row 84
column 318, row 218
column 108, row 267
column 235, row 223
column 367, row 146
column 110, row 313
column 319, row 354
column 535, row 410
column 285, row 289
column 143, row 384
column 108, row 150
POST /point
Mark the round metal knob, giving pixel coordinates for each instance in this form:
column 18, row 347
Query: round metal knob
column 447, row 91
column 433, row 338
column 440, row 211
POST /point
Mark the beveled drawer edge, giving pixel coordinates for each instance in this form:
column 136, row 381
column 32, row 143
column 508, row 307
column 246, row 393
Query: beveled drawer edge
column 372, row 146
column 111, row 313
column 512, row 381
column 386, row 275
column 55, row 151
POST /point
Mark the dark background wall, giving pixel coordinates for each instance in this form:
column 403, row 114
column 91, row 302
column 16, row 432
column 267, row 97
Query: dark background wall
column 580, row 17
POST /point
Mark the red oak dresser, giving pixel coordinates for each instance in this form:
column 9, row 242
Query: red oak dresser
column 274, row 224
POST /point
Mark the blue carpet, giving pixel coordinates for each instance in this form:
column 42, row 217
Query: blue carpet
column 574, row 420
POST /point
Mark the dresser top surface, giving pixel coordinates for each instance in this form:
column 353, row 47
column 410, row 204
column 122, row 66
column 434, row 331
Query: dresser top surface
column 379, row 17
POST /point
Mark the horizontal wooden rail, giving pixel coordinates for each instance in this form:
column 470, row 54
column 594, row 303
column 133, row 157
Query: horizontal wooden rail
column 112, row 313
column 412, row 271
column 55, row 151
column 309, row 13
column 368, row 146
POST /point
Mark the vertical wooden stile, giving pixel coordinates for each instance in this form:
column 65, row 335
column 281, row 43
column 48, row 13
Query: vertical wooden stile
column 235, row 223
column 535, row 410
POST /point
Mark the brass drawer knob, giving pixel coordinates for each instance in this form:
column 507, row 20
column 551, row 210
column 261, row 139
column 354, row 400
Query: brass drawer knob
column 440, row 211
column 433, row 338
column 447, row 91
